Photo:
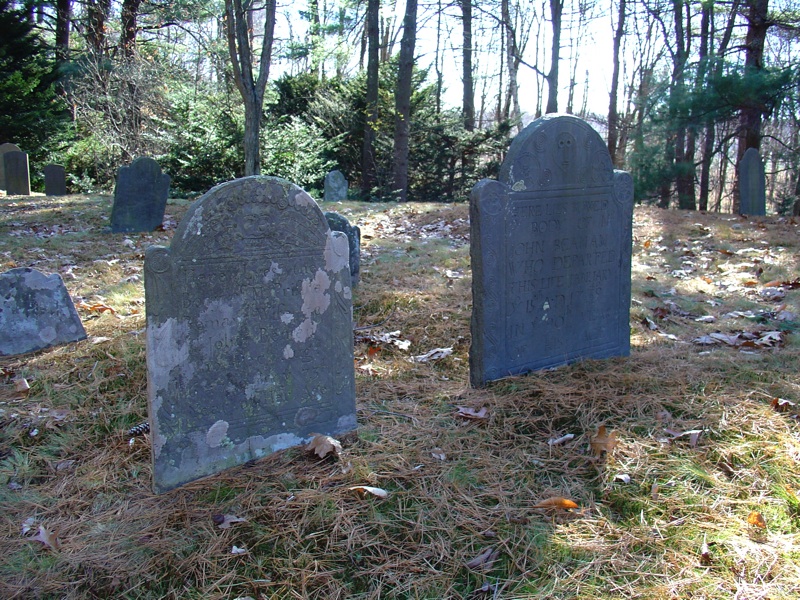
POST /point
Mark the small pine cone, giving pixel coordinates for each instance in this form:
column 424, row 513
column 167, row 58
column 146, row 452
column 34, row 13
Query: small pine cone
column 140, row 429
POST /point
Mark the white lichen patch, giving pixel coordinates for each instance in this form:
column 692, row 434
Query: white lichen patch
column 303, row 199
column 195, row 224
column 287, row 318
column 167, row 348
column 274, row 269
column 337, row 252
column 257, row 387
column 347, row 293
column 315, row 300
column 47, row 334
column 519, row 186
column 338, row 287
column 304, row 331
column 217, row 433
column 288, row 352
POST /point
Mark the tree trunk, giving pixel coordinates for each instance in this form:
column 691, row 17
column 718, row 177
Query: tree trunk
column 63, row 23
column 468, row 104
column 250, row 87
column 127, row 38
column 97, row 14
column 613, row 114
column 402, row 103
column 556, row 9
column 750, row 114
column 368, row 167
column 512, row 109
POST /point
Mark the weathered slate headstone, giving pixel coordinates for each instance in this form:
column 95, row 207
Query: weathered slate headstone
column 36, row 312
column 752, row 184
column 249, row 331
column 140, row 197
column 55, row 180
column 551, row 254
column 17, row 173
column 3, row 149
column 335, row 187
column 353, row 232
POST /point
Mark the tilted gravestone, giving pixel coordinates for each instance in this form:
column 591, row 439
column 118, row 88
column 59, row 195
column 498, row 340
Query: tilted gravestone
column 17, row 173
column 752, row 184
column 55, row 180
column 335, row 187
column 551, row 254
column 3, row 149
column 140, row 197
column 249, row 331
column 36, row 312
column 353, row 232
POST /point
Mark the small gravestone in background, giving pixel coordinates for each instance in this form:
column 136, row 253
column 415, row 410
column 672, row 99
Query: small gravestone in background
column 335, row 187
column 140, row 197
column 17, row 174
column 551, row 254
column 339, row 223
column 36, row 312
column 3, row 149
column 249, row 331
column 752, row 184
column 55, row 180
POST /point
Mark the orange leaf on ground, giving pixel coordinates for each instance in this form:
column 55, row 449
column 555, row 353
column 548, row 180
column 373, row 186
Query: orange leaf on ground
column 48, row 538
column 322, row 445
column 367, row 489
column 603, row 442
column 556, row 502
column 757, row 520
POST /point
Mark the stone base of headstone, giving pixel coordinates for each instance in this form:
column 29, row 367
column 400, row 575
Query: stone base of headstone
column 36, row 312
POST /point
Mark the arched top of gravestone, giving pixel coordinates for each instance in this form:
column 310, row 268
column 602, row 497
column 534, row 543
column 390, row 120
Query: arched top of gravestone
column 252, row 215
column 557, row 152
column 9, row 147
column 146, row 168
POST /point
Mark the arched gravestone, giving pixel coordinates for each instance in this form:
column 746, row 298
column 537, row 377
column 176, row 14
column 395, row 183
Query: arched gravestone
column 249, row 331
column 4, row 148
column 551, row 254
column 140, row 197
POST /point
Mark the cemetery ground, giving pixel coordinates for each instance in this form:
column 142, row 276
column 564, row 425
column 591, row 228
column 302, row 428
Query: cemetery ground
column 672, row 473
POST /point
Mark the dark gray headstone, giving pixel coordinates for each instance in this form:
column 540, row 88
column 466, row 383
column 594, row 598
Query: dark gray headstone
column 551, row 254
column 353, row 232
column 36, row 312
column 249, row 331
column 335, row 187
column 17, row 174
column 140, row 197
column 752, row 184
column 3, row 149
column 55, row 180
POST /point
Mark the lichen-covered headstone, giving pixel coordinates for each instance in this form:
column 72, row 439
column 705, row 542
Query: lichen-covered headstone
column 36, row 312
column 335, row 187
column 551, row 254
column 55, row 180
column 140, row 197
column 353, row 232
column 7, row 147
column 17, row 173
column 249, row 331
column 752, row 184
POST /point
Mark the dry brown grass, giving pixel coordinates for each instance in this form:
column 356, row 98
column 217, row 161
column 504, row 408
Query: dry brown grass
column 308, row 536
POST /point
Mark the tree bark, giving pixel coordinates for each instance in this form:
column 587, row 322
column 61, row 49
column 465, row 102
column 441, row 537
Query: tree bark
column 556, row 10
column 512, row 109
column 405, row 69
column 250, row 87
column 613, row 114
column 127, row 38
column 63, row 23
column 368, row 167
column 468, row 97
column 97, row 14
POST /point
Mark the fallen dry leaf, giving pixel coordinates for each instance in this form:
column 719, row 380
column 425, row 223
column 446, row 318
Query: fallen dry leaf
column 367, row 489
column 323, row 445
column 237, row 550
column 21, row 387
column 556, row 502
column 471, row 413
column 435, row 354
column 705, row 553
column 439, row 454
column 781, row 405
column 484, row 560
column 225, row 521
column 48, row 538
column 757, row 520
column 603, row 442
column 560, row 440
column 654, row 491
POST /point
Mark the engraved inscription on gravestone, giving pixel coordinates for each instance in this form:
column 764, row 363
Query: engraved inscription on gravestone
column 752, row 184
column 55, row 180
column 551, row 254
column 249, row 331
column 36, row 312
column 140, row 197
column 7, row 147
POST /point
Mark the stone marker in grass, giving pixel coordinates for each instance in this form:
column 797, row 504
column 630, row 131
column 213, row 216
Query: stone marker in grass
column 36, row 312
column 17, row 173
column 249, row 331
column 339, row 223
column 4, row 148
column 551, row 254
column 335, row 187
column 55, row 180
column 140, row 197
